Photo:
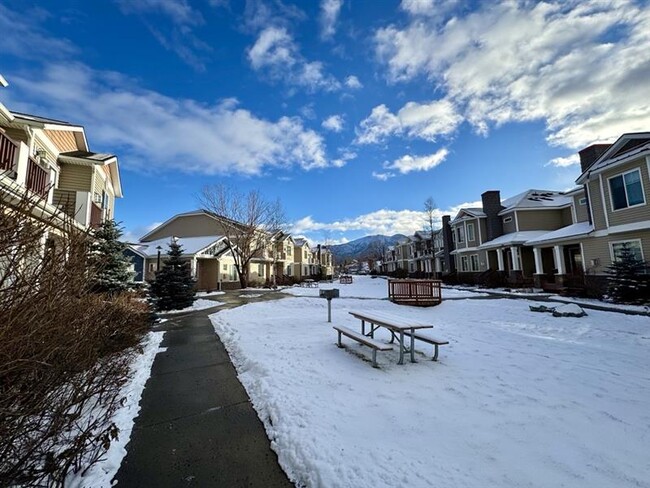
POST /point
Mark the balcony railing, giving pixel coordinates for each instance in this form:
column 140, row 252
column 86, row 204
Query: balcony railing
column 37, row 179
column 8, row 150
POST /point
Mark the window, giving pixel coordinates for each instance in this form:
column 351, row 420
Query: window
column 474, row 262
column 225, row 267
column 470, row 232
column 507, row 220
column 634, row 246
column 463, row 263
column 288, row 251
column 582, row 201
column 626, row 190
column 460, row 238
column 260, row 270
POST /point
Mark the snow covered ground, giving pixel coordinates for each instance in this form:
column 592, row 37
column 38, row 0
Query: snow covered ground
column 365, row 287
column 199, row 304
column 101, row 474
column 517, row 398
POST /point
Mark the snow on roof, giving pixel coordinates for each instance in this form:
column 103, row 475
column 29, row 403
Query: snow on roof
column 473, row 211
column 300, row 242
column 513, row 238
column 573, row 230
column 190, row 245
column 536, row 199
column 606, row 162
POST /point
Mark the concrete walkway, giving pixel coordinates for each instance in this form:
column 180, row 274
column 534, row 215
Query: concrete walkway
column 196, row 425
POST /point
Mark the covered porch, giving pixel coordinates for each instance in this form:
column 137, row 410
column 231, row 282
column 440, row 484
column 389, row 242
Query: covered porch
column 511, row 258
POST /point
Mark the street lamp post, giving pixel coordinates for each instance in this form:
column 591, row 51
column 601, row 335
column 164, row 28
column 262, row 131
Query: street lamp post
column 158, row 263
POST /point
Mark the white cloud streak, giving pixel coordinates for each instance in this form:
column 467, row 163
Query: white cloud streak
column 564, row 162
column 329, row 14
column 276, row 54
column 580, row 66
column 353, row 82
column 406, row 164
column 334, row 123
column 426, row 121
column 156, row 132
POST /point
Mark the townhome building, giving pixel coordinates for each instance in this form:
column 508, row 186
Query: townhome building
column 611, row 211
column 303, row 260
column 323, row 262
column 50, row 162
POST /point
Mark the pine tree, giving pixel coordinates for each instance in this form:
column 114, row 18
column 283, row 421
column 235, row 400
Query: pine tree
column 173, row 287
column 110, row 263
column 628, row 281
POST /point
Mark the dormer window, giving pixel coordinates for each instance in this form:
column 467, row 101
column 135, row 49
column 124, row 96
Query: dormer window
column 626, row 190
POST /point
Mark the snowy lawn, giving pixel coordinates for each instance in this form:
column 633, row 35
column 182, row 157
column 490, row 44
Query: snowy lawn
column 199, row 304
column 517, row 398
column 365, row 287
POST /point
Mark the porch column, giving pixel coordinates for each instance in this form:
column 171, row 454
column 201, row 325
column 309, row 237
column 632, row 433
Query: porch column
column 438, row 266
column 558, row 255
column 500, row 259
column 193, row 267
column 514, row 252
column 539, row 266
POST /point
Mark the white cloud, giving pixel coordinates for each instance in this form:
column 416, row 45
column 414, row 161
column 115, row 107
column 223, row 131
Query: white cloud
column 346, row 156
column 178, row 10
column 427, row 121
column 581, row 67
column 564, row 162
column 276, row 54
column 408, row 163
column 383, row 176
column 387, row 222
column 154, row 132
column 426, row 8
column 353, row 82
column 333, row 123
column 329, row 14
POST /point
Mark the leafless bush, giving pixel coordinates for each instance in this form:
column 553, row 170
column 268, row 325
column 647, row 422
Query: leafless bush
column 64, row 351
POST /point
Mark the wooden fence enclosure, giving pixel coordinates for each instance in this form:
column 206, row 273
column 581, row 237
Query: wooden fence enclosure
column 423, row 293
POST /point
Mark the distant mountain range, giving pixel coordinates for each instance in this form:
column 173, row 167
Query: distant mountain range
column 363, row 247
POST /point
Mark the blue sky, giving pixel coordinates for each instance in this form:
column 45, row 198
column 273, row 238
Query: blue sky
column 352, row 112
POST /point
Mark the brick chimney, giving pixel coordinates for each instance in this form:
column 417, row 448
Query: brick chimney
column 589, row 155
column 491, row 207
column 448, row 243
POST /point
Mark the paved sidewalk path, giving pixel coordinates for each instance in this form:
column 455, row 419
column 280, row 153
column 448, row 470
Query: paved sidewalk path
column 196, row 425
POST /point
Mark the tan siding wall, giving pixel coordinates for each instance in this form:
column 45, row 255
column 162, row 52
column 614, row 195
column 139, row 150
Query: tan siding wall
column 539, row 219
column 596, row 200
column 62, row 139
column 511, row 226
column 567, row 216
column 189, row 226
column 634, row 214
column 66, row 200
column 582, row 211
column 598, row 248
column 75, row 177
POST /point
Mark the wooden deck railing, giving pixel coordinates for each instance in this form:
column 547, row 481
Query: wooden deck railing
column 8, row 150
column 415, row 292
column 37, row 179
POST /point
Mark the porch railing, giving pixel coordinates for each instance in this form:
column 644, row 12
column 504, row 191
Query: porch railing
column 415, row 292
column 37, row 179
column 8, row 150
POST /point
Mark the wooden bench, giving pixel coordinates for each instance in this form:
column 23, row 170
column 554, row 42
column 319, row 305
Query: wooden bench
column 366, row 341
column 429, row 340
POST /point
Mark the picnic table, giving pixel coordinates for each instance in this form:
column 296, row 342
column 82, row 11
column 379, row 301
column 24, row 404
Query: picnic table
column 309, row 283
column 345, row 280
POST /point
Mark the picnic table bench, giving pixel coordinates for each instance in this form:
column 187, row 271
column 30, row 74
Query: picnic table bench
column 345, row 280
column 399, row 328
column 309, row 283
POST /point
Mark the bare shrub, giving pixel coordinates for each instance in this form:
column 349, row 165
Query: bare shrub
column 64, row 351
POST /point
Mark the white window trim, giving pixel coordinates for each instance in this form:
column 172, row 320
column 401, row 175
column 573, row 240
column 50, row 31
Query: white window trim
column 612, row 243
column 464, row 264
column 609, row 187
column 582, row 201
column 478, row 263
column 471, row 226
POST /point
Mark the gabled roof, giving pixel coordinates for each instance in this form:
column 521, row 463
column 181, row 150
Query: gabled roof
column 99, row 159
column 627, row 146
column 190, row 245
column 300, row 242
column 470, row 211
column 536, row 199
column 214, row 216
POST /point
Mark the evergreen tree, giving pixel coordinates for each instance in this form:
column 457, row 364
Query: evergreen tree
column 109, row 261
column 173, row 287
column 628, row 281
